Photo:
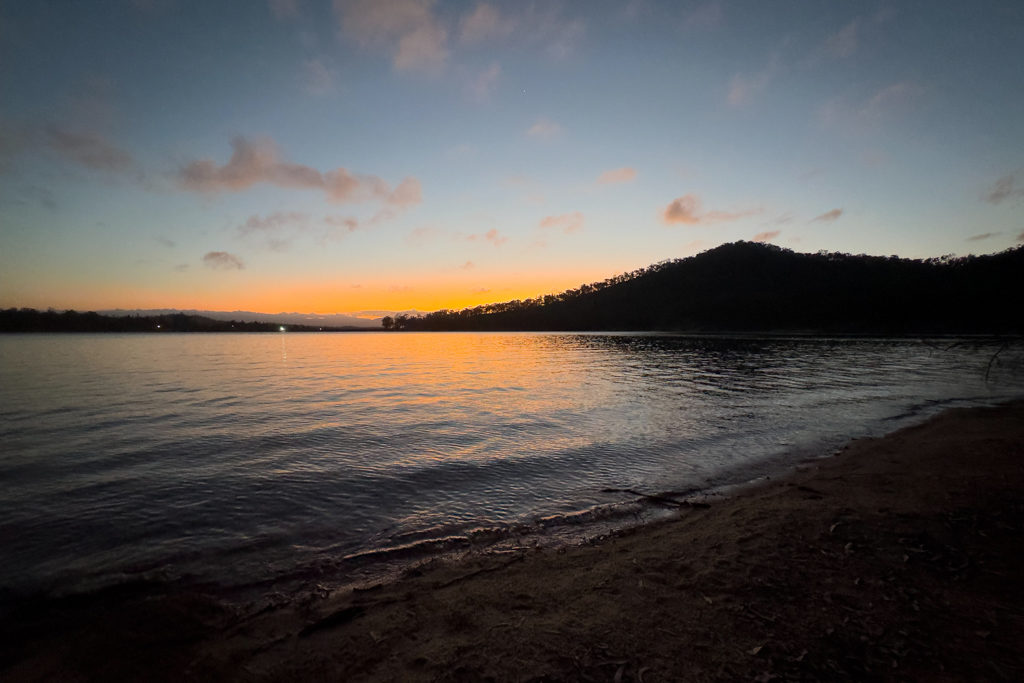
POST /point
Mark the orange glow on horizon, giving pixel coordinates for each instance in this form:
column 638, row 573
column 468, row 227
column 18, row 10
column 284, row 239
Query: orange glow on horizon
column 423, row 294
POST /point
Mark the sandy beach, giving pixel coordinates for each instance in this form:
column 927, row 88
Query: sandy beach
column 898, row 558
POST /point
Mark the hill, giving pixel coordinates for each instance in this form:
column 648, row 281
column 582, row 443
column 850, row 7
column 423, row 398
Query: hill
column 750, row 287
column 31, row 320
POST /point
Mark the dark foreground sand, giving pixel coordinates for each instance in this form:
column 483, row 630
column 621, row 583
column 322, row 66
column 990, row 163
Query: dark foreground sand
column 900, row 558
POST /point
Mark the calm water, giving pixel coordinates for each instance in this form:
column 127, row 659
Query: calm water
column 249, row 459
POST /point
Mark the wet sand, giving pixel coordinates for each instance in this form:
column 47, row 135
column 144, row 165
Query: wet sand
column 898, row 558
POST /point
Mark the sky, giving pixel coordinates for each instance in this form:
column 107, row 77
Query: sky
column 366, row 156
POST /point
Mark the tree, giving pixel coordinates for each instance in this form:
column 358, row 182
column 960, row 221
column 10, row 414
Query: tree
column 388, row 322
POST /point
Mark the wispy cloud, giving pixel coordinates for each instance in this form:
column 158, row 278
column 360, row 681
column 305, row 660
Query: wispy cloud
column 222, row 260
column 983, row 236
column 481, row 84
column 706, row 16
column 492, row 236
column 885, row 103
column 844, row 42
column 89, row 149
column 273, row 222
column 424, row 234
column 744, row 88
column 468, row 265
column 531, row 191
column 566, row 222
column 258, row 161
column 340, row 225
column 1003, row 189
column 544, row 129
column 483, row 24
column 828, row 216
column 408, row 29
column 618, row 175
column 766, row 236
column 687, row 210
column 317, row 79
column 284, row 9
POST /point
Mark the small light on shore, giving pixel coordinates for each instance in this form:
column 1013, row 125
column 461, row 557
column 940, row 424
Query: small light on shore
column 282, row 328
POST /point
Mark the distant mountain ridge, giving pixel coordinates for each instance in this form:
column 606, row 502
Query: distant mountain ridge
column 311, row 319
column 752, row 287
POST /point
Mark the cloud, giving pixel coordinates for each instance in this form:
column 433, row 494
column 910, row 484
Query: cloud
column 544, row 129
column 468, row 265
column 317, row 79
column 567, row 222
column 828, row 216
column 408, row 29
column 983, row 236
column 169, row 243
column 565, row 38
column 1020, row 237
column 618, row 175
column 766, row 236
column 284, row 9
column 272, row 223
column 222, row 260
column 257, row 161
column 884, row 103
column 423, row 235
column 708, row 15
column 844, row 43
column 484, row 24
column 340, row 225
column 481, row 85
column 682, row 210
column 480, row 290
column 492, row 236
column 891, row 97
column 1003, row 189
column 531, row 191
column 744, row 88
column 408, row 193
column 88, row 149
column 686, row 210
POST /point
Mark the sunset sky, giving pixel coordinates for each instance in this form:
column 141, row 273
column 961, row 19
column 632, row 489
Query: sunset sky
column 366, row 156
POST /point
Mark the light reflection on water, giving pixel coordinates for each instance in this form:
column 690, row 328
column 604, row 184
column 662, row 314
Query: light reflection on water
column 238, row 458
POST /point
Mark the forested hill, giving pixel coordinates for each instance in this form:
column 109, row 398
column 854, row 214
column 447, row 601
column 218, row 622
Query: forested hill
column 31, row 320
column 752, row 287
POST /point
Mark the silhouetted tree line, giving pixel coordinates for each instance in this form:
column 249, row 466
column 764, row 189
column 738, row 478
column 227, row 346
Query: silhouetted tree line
column 751, row 287
column 31, row 320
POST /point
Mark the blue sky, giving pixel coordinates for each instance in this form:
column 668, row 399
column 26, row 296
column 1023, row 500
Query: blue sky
column 346, row 156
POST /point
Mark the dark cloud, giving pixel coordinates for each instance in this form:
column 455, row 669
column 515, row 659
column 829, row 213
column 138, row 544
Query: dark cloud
column 982, row 236
column 222, row 260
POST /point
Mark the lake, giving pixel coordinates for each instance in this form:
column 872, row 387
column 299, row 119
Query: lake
column 246, row 461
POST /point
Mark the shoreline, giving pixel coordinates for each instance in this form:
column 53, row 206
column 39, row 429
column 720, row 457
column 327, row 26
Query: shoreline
column 895, row 558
